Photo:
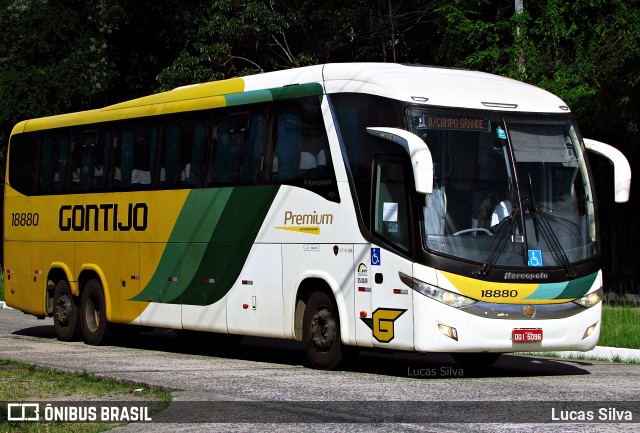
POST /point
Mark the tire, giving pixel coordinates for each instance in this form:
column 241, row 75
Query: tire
column 321, row 333
column 476, row 360
column 93, row 314
column 66, row 313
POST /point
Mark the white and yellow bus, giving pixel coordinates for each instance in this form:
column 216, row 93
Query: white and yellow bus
column 344, row 205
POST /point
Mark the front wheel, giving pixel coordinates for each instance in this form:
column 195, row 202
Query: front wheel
column 93, row 314
column 66, row 315
column 321, row 333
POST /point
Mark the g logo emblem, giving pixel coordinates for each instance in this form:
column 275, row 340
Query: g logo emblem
column 382, row 323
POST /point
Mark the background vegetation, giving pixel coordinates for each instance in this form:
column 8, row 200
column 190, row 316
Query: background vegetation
column 69, row 55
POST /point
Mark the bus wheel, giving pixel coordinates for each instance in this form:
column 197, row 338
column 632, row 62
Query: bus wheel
column 93, row 313
column 65, row 313
column 479, row 360
column 321, row 333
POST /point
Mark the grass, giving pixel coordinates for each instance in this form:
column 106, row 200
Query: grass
column 620, row 327
column 22, row 382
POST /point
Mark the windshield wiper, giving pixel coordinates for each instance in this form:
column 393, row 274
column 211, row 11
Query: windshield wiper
column 532, row 209
column 497, row 245
column 541, row 223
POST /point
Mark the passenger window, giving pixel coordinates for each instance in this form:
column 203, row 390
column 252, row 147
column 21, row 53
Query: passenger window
column 301, row 147
column 238, row 150
column 287, row 155
column 54, row 156
column 134, row 156
column 87, row 172
column 182, row 155
column 22, row 164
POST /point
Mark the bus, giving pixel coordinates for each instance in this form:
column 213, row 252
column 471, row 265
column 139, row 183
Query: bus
column 347, row 206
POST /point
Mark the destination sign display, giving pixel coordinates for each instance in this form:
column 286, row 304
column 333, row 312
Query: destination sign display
column 455, row 122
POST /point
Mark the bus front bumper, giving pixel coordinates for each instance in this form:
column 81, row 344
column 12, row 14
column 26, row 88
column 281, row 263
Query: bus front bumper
column 441, row 328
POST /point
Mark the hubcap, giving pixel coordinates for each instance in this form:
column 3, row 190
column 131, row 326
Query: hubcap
column 63, row 310
column 323, row 329
column 92, row 315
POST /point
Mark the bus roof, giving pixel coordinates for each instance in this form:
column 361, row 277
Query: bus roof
column 442, row 87
column 424, row 85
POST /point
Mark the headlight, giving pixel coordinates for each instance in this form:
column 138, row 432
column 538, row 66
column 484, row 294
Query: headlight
column 590, row 299
column 455, row 300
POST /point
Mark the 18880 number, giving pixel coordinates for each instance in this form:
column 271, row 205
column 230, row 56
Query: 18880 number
column 500, row 293
column 22, row 219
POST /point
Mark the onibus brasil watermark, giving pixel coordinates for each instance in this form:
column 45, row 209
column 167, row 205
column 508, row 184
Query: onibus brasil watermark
column 78, row 412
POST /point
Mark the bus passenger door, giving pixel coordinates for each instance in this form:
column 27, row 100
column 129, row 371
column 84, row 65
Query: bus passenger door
column 392, row 314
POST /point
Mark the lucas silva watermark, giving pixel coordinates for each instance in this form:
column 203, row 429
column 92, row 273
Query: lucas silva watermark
column 445, row 371
column 606, row 414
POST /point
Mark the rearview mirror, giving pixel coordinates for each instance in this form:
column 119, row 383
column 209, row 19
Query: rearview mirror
column 621, row 167
column 421, row 161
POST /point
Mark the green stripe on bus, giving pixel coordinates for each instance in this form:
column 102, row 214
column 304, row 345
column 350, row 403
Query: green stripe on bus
column 275, row 94
column 578, row 288
column 227, row 221
column 296, row 91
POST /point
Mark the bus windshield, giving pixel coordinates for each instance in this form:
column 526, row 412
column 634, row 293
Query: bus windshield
column 507, row 191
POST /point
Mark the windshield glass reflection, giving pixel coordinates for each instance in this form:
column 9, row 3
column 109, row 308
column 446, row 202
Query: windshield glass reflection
column 506, row 192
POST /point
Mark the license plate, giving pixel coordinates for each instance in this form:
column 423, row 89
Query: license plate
column 526, row 335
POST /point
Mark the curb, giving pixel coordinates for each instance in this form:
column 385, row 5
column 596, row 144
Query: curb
column 3, row 306
column 605, row 353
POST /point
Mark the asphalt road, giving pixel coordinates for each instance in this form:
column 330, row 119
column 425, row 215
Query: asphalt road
column 265, row 385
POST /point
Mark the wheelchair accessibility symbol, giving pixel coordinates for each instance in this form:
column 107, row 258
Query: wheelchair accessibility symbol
column 535, row 258
column 375, row 256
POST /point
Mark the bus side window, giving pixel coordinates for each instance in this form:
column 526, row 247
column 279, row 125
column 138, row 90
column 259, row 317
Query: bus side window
column 122, row 174
column 22, row 164
column 252, row 154
column 170, row 157
column 194, row 170
column 45, row 180
column 62, row 162
column 226, row 163
column 83, row 161
column 288, row 145
column 101, row 166
column 137, row 157
column 182, row 152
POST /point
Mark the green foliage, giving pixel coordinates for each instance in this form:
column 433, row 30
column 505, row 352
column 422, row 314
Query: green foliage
column 620, row 327
column 60, row 56
column 232, row 38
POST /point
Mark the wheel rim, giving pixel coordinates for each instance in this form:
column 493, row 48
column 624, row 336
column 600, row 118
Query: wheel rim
column 63, row 310
column 92, row 315
column 323, row 329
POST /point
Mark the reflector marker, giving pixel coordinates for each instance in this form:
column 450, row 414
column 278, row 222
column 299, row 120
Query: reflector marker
column 9, row 271
column 135, row 277
column 38, row 271
column 209, row 280
column 247, row 282
column 172, row 279
column 400, row 291
column 364, row 289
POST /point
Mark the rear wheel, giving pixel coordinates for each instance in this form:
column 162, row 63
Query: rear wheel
column 66, row 314
column 471, row 360
column 93, row 314
column 321, row 333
